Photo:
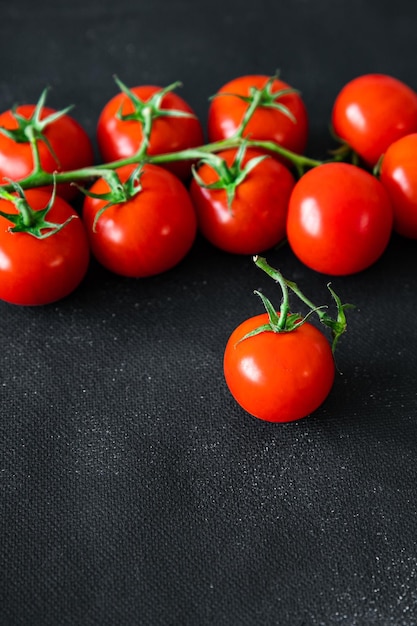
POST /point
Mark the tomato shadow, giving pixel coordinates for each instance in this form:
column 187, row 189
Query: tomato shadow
column 372, row 396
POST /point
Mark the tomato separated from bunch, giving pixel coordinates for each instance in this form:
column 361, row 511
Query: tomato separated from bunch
column 277, row 365
column 150, row 118
column 278, row 377
column 149, row 231
column 398, row 174
column 246, row 211
column 37, row 270
column 371, row 112
column 339, row 220
column 281, row 115
column 62, row 143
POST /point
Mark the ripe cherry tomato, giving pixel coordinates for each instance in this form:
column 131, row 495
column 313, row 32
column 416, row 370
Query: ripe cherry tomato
column 226, row 113
column 339, row 219
column 40, row 271
column 149, row 233
column 371, row 112
column 256, row 218
column 399, row 176
column 66, row 147
column 121, row 138
column 278, row 377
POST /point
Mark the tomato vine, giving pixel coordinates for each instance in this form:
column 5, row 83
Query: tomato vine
column 32, row 129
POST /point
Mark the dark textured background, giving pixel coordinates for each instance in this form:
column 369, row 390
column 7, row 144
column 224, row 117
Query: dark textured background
column 134, row 491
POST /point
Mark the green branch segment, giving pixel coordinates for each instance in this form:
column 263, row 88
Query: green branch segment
column 40, row 178
column 285, row 320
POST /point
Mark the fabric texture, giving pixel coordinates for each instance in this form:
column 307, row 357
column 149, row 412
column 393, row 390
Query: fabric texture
column 134, row 491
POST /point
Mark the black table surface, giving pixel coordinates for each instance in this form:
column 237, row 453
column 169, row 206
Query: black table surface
column 134, row 491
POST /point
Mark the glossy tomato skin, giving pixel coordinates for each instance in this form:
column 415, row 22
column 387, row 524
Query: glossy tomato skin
column 371, row 112
column 398, row 175
column 119, row 139
column 34, row 271
column 147, row 235
column 227, row 111
column 339, row 219
column 257, row 217
column 278, row 377
column 71, row 148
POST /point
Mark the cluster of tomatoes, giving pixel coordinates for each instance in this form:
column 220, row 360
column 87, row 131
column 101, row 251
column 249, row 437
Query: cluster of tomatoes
column 245, row 190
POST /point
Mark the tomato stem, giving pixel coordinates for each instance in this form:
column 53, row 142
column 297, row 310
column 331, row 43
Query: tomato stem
column 264, row 97
column 39, row 177
column 278, row 277
column 34, row 222
column 291, row 322
column 255, row 102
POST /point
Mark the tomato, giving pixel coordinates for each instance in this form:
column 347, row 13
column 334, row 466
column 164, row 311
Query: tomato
column 339, row 219
column 227, row 110
column 121, row 138
column 371, row 112
column 278, row 377
column 37, row 271
column 398, row 175
column 66, row 147
column 256, row 218
column 150, row 232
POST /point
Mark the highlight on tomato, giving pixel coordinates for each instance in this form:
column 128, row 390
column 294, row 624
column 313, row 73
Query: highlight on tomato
column 339, row 219
column 140, row 220
column 398, row 174
column 278, row 366
column 371, row 112
column 44, row 249
column 262, row 108
column 34, row 137
column 148, row 120
column 241, row 200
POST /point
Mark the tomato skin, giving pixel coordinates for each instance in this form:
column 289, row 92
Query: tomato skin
column 256, row 219
column 371, row 112
column 339, row 219
column 36, row 272
column 119, row 139
column 150, row 233
column 398, row 175
column 69, row 141
column 227, row 111
column 278, row 377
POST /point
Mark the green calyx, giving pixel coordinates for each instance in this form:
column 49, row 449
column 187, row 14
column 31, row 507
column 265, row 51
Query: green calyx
column 31, row 130
column 264, row 97
column 119, row 192
column 286, row 321
column 230, row 177
column 28, row 220
column 146, row 111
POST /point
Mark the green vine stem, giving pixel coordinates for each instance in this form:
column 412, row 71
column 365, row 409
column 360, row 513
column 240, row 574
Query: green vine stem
column 145, row 112
column 40, row 178
column 288, row 321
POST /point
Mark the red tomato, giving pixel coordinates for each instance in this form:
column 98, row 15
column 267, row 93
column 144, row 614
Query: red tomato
column 399, row 176
column 40, row 271
column 278, row 377
column 373, row 111
column 339, row 219
column 119, row 139
column 226, row 112
column 256, row 219
column 67, row 147
column 148, row 234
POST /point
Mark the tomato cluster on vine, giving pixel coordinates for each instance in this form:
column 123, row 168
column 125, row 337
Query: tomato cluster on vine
column 248, row 189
